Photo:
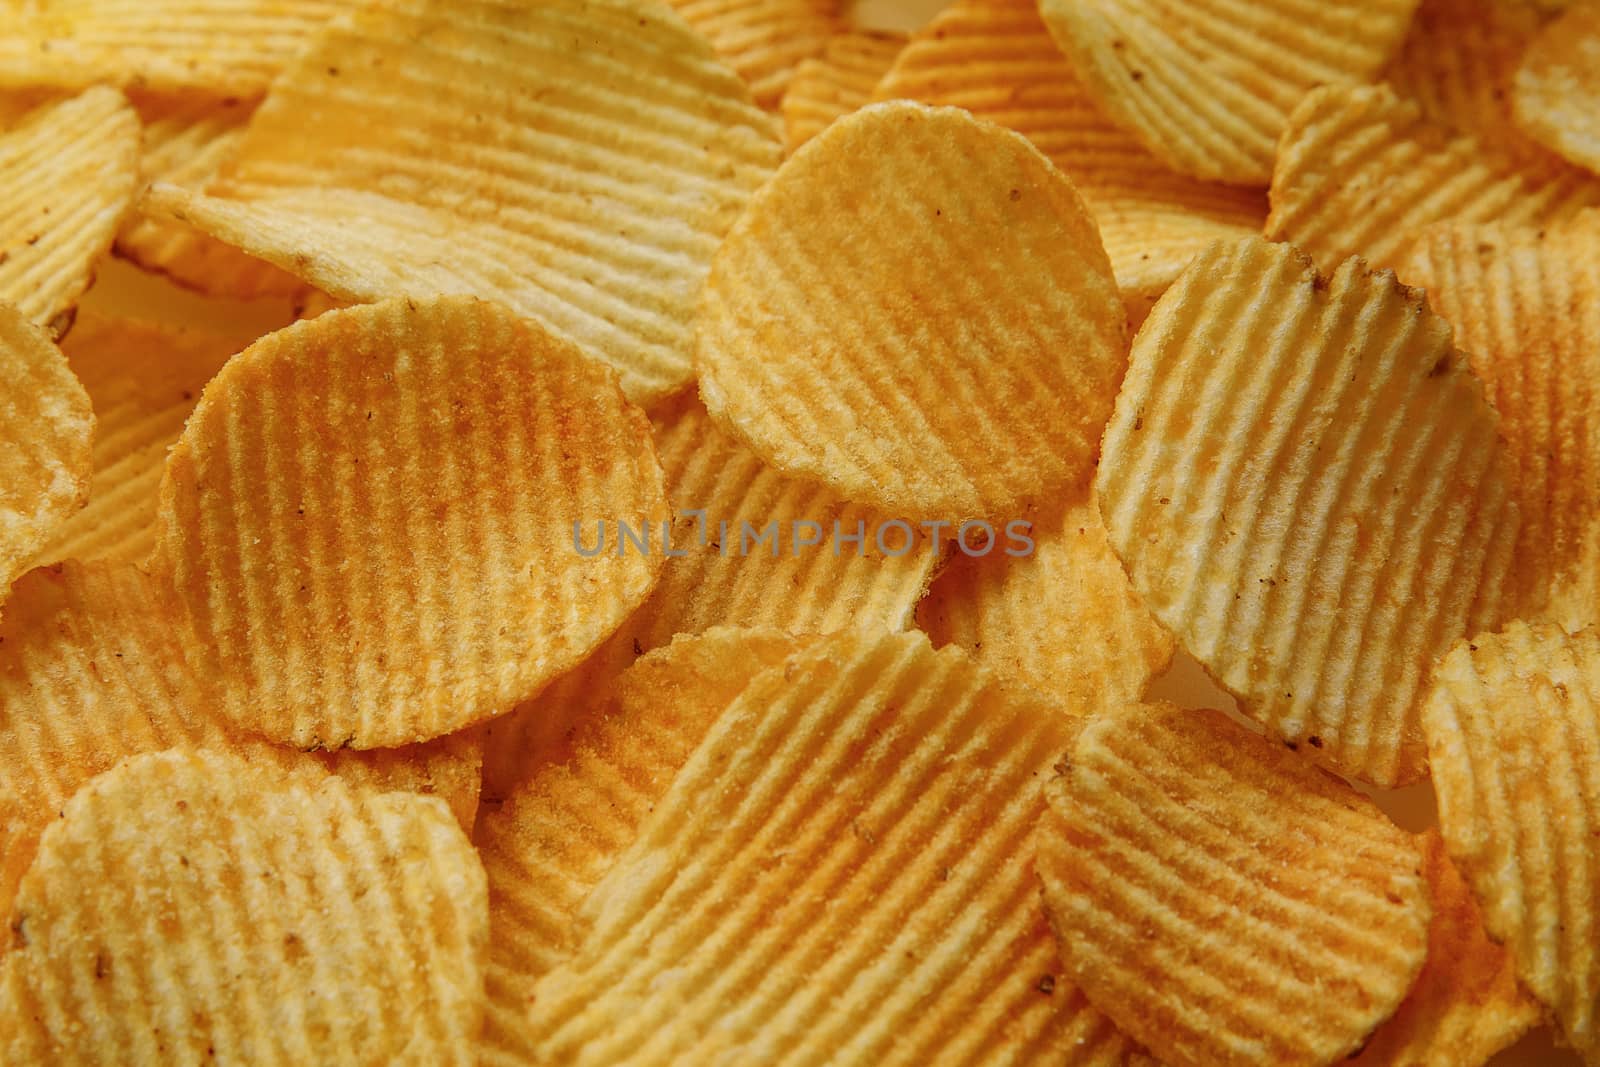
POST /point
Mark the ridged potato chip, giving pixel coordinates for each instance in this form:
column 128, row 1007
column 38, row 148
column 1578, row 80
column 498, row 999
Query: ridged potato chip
column 1223, row 901
column 599, row 151
column 836, row 82
column 1513, row 727
column 764, row 40
column 368, row 521
column 1309, row 490
column 1557, row 99
column 1208, row 85
column 193, row 907
column 1360, row 171
column 996, row 59
column 1063, row 618
column 885, row 373
column 68, row 174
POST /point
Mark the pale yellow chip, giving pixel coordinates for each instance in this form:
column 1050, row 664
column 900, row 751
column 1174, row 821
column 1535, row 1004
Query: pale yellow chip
column 368, row 521
column 68, row 173
column 1513, row 727
column 996, row 59
column 1060, row 615
column 840, row 80
column 1309, row 490
column 764, row 40
column 192, row 907
column 1360, row 171
column 1222, row 900
column 1208, row 85
column 916, row 312
column 598, row 151
column 725, row 570
column 1557, row 99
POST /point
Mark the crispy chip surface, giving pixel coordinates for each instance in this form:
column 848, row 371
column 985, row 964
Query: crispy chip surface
column 599, row 151
column 1208, row 85
column 884, row 374
column 764, row 40
column 368, row 521
column 1308, row 488
column 1221, row 899
column 1513, row 727
column 193, row 907
column 1558, row 87
column 836, row 82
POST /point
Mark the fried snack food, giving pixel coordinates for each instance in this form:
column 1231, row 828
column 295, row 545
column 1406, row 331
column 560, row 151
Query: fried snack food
column 919, row 400
column 764, row 40
column 1223, row 901
column 1208, row 85
column 1309, row 490
column 1514, row 738
column 586, row 187
column 836, row 82
column 1557, row 99
column 192, row 906
column 368, row 521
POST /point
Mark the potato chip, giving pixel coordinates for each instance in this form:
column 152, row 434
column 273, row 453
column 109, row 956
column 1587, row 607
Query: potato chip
column 1557, row 98
column 1208, row 85
column 884, row 373
column 1309, row 490
column 369, row 521
column 840, row 80
column 731, row 572
column 764, row 40
column 16, row 103
column 1063, row 618
column 1514, row 737
column 193, row 907
column 839, row 873
column 996, row 59
column 599, row 151
column 1466, row 1005
column 1361, row 171
column 68, row 174
column 1220, row 899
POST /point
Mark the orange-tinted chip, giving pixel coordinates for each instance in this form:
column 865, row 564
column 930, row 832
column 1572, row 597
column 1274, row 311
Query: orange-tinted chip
column 764, row 40
column 1558, row 87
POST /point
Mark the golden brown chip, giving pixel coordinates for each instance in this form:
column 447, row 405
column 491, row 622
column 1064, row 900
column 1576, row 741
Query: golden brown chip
column 1208, row 85
column 369, row 521
column 1223, row 901
column 764, row 40
column 885, row 372
column 1557, row 97
column 598, row 152
column 68, row 174
column 1513, row 726
column 194, row 907
column 1062, row 618
column 1360, row 171
column 1308, row 488
column 840, row 80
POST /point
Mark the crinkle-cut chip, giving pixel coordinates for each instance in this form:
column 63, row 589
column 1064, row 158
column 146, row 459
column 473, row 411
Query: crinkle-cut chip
column 1221, row 899
column 1360, row 171
column 725, row 577
column 598, row 152
column 1525, row 305
column 764, row 40
column 193, row 907
column 1557, row 97
column 1208, row 85
column 368, row 521
column 1513, row 726
column 143, row 379
column 68, row 174
column 887, row 375
column 839, row 873
column 996, row 59
column 1309, row 490
column 186, row 141
column 559, row 833
column 219, row 48
column 840, row 80
column 1466, row 1005
column 1062, row 618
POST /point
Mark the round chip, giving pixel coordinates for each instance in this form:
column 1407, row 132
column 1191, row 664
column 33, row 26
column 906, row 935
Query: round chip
column 764, row 40
column 1223, row 901
column 1208, row 85
column 368, row 521
column 1309, row 490
column 1557, row 97
column 840, row 80
column 1513, row 727
column 916, row 312
column 193, row 907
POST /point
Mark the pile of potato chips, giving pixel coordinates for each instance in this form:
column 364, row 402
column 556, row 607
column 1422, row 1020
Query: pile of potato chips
column 754, row 532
